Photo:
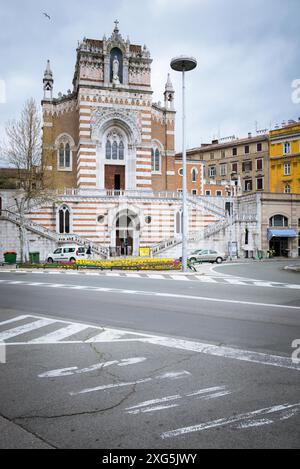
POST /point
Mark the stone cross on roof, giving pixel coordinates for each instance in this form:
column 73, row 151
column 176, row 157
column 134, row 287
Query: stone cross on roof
column 116, row 27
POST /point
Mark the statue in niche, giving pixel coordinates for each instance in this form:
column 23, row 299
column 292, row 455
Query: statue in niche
column 116, row 65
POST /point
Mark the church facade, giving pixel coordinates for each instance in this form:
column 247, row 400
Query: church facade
column 110, row 153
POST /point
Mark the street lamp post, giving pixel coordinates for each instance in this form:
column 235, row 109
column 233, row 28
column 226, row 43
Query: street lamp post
column 184, row 64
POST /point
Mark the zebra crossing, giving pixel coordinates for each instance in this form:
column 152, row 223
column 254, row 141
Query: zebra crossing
column 22, row 327
column 170, row 391
column 210, row 278
column 34, row 330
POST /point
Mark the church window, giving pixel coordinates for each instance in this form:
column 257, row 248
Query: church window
column 115, row 151
column 67, row 155
column 121, row 150
column 64, row 220
column 108, row 150
column 61, row 155
column 194, row 175
column 114, row 147
column 64, row 154
column 155, row 160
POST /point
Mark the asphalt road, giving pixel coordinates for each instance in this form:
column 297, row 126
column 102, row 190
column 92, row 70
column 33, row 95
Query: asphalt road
column 179, row 364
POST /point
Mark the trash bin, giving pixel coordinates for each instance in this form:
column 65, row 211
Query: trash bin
column 34, row 257
column 10, row 257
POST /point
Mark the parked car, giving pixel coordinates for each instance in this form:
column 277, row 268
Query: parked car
column 206, row 255
column 67, row 253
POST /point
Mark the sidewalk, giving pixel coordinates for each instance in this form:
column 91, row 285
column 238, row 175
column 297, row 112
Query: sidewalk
column 15, row 437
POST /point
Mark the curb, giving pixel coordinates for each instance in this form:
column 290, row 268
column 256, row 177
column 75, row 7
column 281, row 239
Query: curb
column 292, row 268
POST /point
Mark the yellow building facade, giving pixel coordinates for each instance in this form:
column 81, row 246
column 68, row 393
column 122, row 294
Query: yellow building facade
column 285, row 159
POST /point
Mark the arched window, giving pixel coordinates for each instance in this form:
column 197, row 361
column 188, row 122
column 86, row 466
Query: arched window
column 64, row 220
column 64, row 153
column 108, row 150
column 194, row 175
column 155, row 160
column 68, row 155
column 179, row 222
column 114, row 147
column 115, row 151
column 279, row 220
column 121, row 150
column 61, row 155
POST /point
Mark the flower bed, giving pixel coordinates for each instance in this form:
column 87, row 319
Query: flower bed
column 131, row 264
column 111, row 264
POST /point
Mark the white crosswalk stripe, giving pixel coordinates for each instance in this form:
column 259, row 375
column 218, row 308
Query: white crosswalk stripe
column 212, row 278
column 61, row 334
column 203, row 278
column 99, row 334
column 9, row 321
column 25, row 328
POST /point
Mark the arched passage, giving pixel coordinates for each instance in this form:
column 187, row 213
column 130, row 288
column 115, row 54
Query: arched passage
column 125, row 234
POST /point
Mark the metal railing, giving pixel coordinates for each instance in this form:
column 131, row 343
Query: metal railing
column 58, row 238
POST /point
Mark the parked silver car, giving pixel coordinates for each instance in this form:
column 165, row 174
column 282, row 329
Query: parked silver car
column 207, row 255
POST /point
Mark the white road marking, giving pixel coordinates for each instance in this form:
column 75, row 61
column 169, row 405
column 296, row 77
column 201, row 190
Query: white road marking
column 234, row 281
column 16, row 282
column 205, row 279
column 215, row 277
column 156, row 276
column 174, row 375
column 255, row 423
column 155, row 402
column 290, row 285
column 263, row 284
column 25, row 328
column 228, row 421
column 18, row 318
column 60, row 334
column 98, row 366
column 159, row 404
column 206, row 390
column 154, row 409
column 224, row 352
column 215, row 395
column 107, row 336
column 171, row 342
column 179, row 277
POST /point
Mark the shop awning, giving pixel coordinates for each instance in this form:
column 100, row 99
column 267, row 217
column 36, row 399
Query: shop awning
column 281, row 234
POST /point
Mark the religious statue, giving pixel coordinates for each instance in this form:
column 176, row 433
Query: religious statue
column 116, row 66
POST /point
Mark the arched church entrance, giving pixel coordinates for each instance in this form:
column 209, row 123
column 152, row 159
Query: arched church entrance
column 126, row 234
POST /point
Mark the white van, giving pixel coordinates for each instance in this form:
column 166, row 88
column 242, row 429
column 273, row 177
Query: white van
column 67, row 253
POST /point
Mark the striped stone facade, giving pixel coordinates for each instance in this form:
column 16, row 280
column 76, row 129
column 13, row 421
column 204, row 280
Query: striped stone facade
column 110, row 150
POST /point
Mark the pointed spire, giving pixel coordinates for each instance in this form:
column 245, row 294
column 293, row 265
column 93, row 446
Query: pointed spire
column 169, row 86
column 48, row 72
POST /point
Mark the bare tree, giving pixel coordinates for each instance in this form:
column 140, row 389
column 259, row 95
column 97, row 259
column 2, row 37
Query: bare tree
column 22, row 151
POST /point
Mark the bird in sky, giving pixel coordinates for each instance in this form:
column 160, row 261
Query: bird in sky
column 47, row 16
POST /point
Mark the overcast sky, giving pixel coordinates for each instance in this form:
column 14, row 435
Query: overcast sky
column 248, row 54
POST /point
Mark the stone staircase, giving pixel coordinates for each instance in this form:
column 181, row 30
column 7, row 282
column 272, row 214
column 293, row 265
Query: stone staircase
column 205, row 204
column 52, row 235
